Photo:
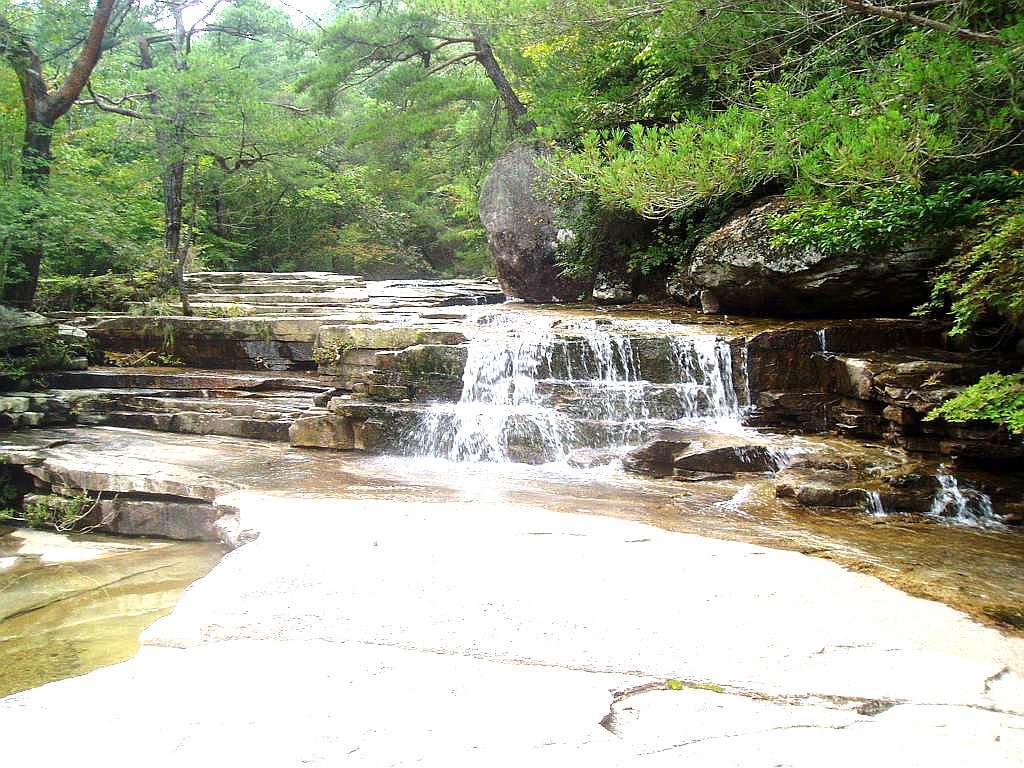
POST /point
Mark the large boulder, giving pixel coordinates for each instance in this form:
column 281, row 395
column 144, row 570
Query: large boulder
column 523, row 230
column 740, row 268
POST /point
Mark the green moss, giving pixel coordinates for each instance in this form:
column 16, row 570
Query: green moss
column 333, row 351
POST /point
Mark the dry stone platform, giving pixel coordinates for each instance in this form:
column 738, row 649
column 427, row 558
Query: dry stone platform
column 483, row 634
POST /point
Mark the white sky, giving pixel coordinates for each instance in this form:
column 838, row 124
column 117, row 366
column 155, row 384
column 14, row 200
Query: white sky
column 296, row 8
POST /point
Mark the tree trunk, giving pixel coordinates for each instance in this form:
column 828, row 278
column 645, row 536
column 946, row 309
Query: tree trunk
column 36, row 161
column 42, row 110
column 173, row 180
column 170, row 139
column 516, row 109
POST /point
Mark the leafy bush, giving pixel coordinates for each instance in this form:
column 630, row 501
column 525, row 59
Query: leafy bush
column 24, row 368
column 886, row 218
column 985, row 280
column 996, row 397
column 984, row 284
column 62, row 513
column 109, row 292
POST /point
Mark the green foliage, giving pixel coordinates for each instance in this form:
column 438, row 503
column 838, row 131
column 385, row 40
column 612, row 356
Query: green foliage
column 985, row 279
column 658, row 170
column 996, row 397
column 25, row 361
column 822, row 106
column 13, row 484
column 62, row 513
column 653, row 250
column 146, row 358
column 887, row 218
column 108, row 292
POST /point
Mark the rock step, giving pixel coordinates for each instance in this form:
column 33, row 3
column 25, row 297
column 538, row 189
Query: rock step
column 269, row 286
column 128, row 515
column 339, row 313
column 191, row 379
column 223, row 402
column 412, row 428
column 193, row 423
column 229, row 278
column 332, row 298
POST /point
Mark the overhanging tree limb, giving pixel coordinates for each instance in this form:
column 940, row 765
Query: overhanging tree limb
column 900, row 13
column 116, row 106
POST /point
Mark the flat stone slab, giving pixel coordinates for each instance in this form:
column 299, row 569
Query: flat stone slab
column 495, row 634
column 114, row 460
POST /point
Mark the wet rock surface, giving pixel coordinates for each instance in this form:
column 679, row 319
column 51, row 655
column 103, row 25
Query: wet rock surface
column 263, row 330
column 73, row 603
column 468, row 588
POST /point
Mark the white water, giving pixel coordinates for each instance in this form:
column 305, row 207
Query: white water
column 875, row 506
column 962, row 506
column 536, row 394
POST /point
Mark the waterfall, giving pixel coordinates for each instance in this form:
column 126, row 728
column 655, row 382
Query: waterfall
column 963, row 506
column 874, row 504
column 535, row 394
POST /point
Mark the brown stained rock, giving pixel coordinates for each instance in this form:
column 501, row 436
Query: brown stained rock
column 821, row 488
column 728, row 460
column 330, row 431
column 785, row 361
column 901, row 416
column 853, row 377
column 806, row 410
column 172, row 520
column 656, row 458
column 116, row 475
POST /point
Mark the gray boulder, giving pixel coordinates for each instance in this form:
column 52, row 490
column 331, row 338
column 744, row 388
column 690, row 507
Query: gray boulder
column 608, row 290
column 738, row 267
column 522, row 229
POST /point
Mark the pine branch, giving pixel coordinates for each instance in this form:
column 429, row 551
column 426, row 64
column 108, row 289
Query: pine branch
column 898, row 13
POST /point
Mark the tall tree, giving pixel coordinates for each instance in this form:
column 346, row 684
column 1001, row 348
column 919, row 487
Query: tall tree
column 208, row 107
column 43, row 106
column 360, row 46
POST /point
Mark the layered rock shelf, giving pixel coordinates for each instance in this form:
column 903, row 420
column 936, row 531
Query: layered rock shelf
column 425, row 367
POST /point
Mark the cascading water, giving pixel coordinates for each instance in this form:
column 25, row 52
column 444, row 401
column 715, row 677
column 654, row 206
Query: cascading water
column 962, row 506
column 874, row 504
column 535, row 395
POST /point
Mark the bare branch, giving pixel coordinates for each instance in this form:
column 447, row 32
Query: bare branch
column 209, row 12
column 105, row 104
column 290, row 107
column 446, row 64
column 895, row 13
column 302, row 13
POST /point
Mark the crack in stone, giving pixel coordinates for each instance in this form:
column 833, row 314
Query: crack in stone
column 744, row 733
column 997, row 676
column 864, row 706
